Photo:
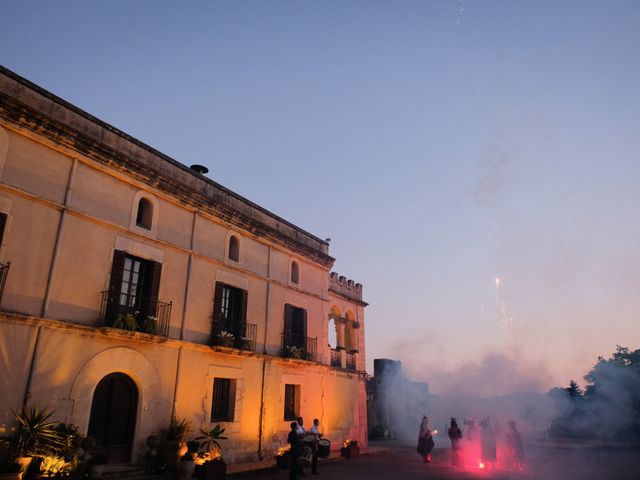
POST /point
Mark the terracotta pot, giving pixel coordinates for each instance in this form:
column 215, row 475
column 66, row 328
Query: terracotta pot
column 211, row 471
column 11, row 476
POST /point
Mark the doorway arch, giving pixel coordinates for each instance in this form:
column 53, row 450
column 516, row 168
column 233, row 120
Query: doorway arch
column 112, row 420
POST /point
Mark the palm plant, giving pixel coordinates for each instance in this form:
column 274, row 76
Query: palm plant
column 35, row 435
column 211, row 437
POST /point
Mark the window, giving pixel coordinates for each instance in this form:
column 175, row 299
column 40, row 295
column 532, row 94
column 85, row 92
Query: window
column 223, row 403
column 291, row 402
column 295, row 327
column 133, row 289
column 229, row 315
column 295, row 272
column 144, row 216
column 234, row 248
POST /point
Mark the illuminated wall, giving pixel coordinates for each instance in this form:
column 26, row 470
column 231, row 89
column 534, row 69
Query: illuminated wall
column 70, row 188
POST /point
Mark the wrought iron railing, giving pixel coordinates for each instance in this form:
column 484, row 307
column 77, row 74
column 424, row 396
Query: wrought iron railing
column 138, row 314
column 351, row 361
column 235, row 335
column 4, row 271
column 298, row 346
column 336, row 358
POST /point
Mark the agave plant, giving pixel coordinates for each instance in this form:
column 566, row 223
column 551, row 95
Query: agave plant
column 35, row 435
column 211, row 437
column 178, row 429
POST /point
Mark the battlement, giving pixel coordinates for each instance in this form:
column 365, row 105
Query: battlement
column 345, row 287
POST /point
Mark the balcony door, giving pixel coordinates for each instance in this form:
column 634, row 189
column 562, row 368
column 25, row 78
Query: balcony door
column 133, row 288
column 295, row 327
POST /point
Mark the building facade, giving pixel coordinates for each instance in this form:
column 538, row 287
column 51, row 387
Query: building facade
column 135, row 289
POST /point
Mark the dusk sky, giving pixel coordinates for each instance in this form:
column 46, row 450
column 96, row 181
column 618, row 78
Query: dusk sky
column 441, row 145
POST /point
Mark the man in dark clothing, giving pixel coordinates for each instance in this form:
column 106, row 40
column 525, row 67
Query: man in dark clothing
column 296, row 450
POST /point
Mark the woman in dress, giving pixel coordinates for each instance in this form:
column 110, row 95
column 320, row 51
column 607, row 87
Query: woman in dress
column 455, row 435
column 425, row 440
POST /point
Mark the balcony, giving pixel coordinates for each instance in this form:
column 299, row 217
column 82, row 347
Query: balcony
column 351, row 361
column 4, row 271
column 134, row 313
column 235, row 335
column 298, row 346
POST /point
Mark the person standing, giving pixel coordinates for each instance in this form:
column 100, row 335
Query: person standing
column 455, row 435
column 296, row 450
column 314, row 458
column 425, row 440
column 488, row 444
column 515, row 446
column 300, row 428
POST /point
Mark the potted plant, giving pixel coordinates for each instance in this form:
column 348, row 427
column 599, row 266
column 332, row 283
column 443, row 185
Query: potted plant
column 209, row 463
column 225, row 338
column 350, row 449
column 54, row 466
column 188, row 460
column 283, row 457
column 174, row 445
column 10, row 468
column 34, row 435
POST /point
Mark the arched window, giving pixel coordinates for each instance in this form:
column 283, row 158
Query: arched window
column 333, row 334
column 144, row 216
column 234, row 248
column 295, row 272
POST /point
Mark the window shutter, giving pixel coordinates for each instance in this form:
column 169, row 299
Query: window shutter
column 304, row 323
column 117, row 268
column 243, row 313
column 154, row 287
column 115, row 285
column 288, row 316
column 217, row 309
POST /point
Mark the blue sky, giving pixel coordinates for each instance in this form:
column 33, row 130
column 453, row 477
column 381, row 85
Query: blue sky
column 440, row 144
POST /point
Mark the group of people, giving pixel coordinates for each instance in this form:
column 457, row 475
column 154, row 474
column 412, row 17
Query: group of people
column 480, row 447
column 298, row 439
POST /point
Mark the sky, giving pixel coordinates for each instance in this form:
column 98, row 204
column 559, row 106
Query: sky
column 441, row 145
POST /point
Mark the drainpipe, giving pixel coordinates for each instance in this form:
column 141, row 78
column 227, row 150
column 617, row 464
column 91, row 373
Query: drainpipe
column 56, row 245
column 186, row 287
column 27, row 392
column 261, row 422
column 175, row 387
column 264, row 351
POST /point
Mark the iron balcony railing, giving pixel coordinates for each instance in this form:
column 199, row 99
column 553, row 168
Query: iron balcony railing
column 4, row 271
column 298, row 346
column 336, row 358
column 138, row 314
column 351, row 361
column 235, row 335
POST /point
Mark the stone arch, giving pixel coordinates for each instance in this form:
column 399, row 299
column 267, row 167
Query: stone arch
column 118, row 360
column 333, row 331
column 350, row 337
column 148, row 224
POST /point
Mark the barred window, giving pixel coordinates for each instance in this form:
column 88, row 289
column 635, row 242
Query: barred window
column 222, row 406
column 291, row 402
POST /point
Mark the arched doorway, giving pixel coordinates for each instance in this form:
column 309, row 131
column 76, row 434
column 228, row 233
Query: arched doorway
column 113, row 416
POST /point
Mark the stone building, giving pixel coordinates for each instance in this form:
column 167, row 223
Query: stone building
column 136, row 289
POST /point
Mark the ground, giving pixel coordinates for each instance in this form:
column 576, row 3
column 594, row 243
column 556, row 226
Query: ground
column 545, row 463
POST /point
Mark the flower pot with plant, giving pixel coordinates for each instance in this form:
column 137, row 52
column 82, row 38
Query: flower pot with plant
column 174, row 444
column 350, row 449
column 35, row 435
column 209, row 463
